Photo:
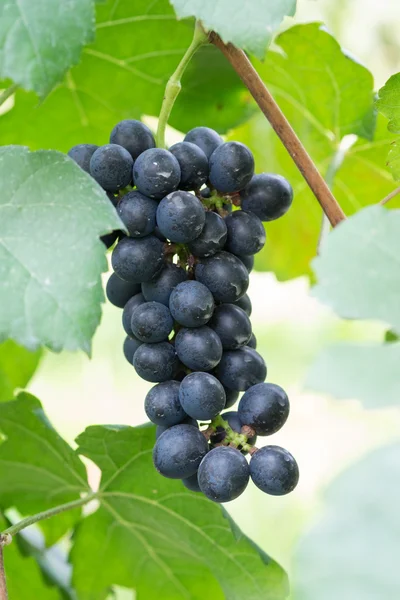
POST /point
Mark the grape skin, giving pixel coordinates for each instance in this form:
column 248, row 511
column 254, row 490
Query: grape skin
column 156, row 173
column 180, row 217
column 224, row 275
column 179, row 451
column 111, row 166
column 231, row 167
column 119, row 291
column 130, row 347
column 81, row 154
column 245, row 304
column 155, row 362
column 186, row 421
column 252, row 343
column 202, row 396
column 223, row 474
column 138, row 260
column 264, row 407
column 191, row 483
column 268, row 196
column 160, row 289
column 193, row 163
column 199, row 348
column 127, row 313
column 132, row 135
column 240, row 369
column 162, row 404
column 138, row 213
column 231, row 397
column 274, row 470
column 232, row 326
column 246, row 233
column 248, row 261
column 212, row 238
column 205, row 138
column 151, row 322
column 191, row 304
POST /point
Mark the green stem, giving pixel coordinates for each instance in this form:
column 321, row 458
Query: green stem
column 49, row 513
column 8, row 92
column 237, row 439
column 173, row 86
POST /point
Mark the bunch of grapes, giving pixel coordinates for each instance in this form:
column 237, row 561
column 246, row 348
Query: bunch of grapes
column 181, row 276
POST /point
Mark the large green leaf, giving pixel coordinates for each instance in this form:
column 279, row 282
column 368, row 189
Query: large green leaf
column 38, row 470
column 17, row 365
column 359, row 277
column 153, row 535
column 326, row 95
column 123, row 75
column 351, row 553
column 24, row 578
column 51, row 258
column 388, row 104
column 41, row 40
column 249, row 25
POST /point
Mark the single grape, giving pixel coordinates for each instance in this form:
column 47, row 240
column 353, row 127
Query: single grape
column 252, row 343
column 138, row 260
column 156, row 173
column 202, row 396
column 199, row 348
column 240, row 369
column 193, row 163
column 274, row 470
column 264, row 407
column 119, row 291
column 158, row 234
column 191, row 483
column 212, row 238
column 246, row 233
column 268, row 196
column 180, row 217
column 248, row 261
column 231, row 167
column 179, row 451
column 205, row 138
column 81, row 154
column 138, row 213
column 151, row 322
column 128, row 311
column 232, row 326
column 162, row 404
column 130, row 347
column 110, row 238
column 224, row 275
column 232, row 418
column 160, row 289
column 132, row 135
column 156, row 362
column 111, row 166
column 223, row 474
column 245, row 304
column 205, row 192
column 231, row 397
column 186, row 421
column 191, row 304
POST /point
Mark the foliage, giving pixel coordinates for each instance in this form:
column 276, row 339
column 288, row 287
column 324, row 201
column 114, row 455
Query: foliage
column 388, row 104
column 17, row 365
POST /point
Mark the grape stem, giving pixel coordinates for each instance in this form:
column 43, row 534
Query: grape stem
column 5, row 96
column 3, row 583
column 232, row 438
column 390, row 196
column 282, row 127
column 174, row 85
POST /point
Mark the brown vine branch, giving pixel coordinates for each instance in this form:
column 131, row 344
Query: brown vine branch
column 282, row 127
column 390, row 196
column 3, row 583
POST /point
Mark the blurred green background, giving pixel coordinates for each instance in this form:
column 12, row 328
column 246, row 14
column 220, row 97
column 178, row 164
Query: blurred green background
column 325, row 435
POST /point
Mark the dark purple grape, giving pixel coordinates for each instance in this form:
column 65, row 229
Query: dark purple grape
column 202, row 396
column 138, row 213
column 179, row 451
column 205, row 138
column 265, row 408
column 274, row 470
column 156, row 362
column 246, row 233
column 134, row 136
column 180, row 217
column 232, row 326
column 240, row 369
column 193, row 163
column 224, row 275
column 231, row 167
column 128, row 311
column 268, row 196
column 81, row 154
column 212, row 237
column 130, row 347
column 151, row 322
column 191, row 304
column 111, row 167
column 199, row 348
column 138, row 260
column 162, row 404
column 156, row 173
column 119, row 291
column 159, row 289
column 223, row 474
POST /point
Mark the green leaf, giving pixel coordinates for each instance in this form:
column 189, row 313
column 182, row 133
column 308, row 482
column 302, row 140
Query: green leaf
column 123, row 75
column 359, row 267
column 153, row 535
column 368, row 373
column 351, row 553
column 388, row 103
column 24, row 578
column 40, row 41
column 249, row 26
column 17, row 365
column 51, row 258
column 38, row 470
column 326, row 95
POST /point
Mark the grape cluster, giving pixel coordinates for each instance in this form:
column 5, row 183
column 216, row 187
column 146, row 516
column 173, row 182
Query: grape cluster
column 181, row 276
